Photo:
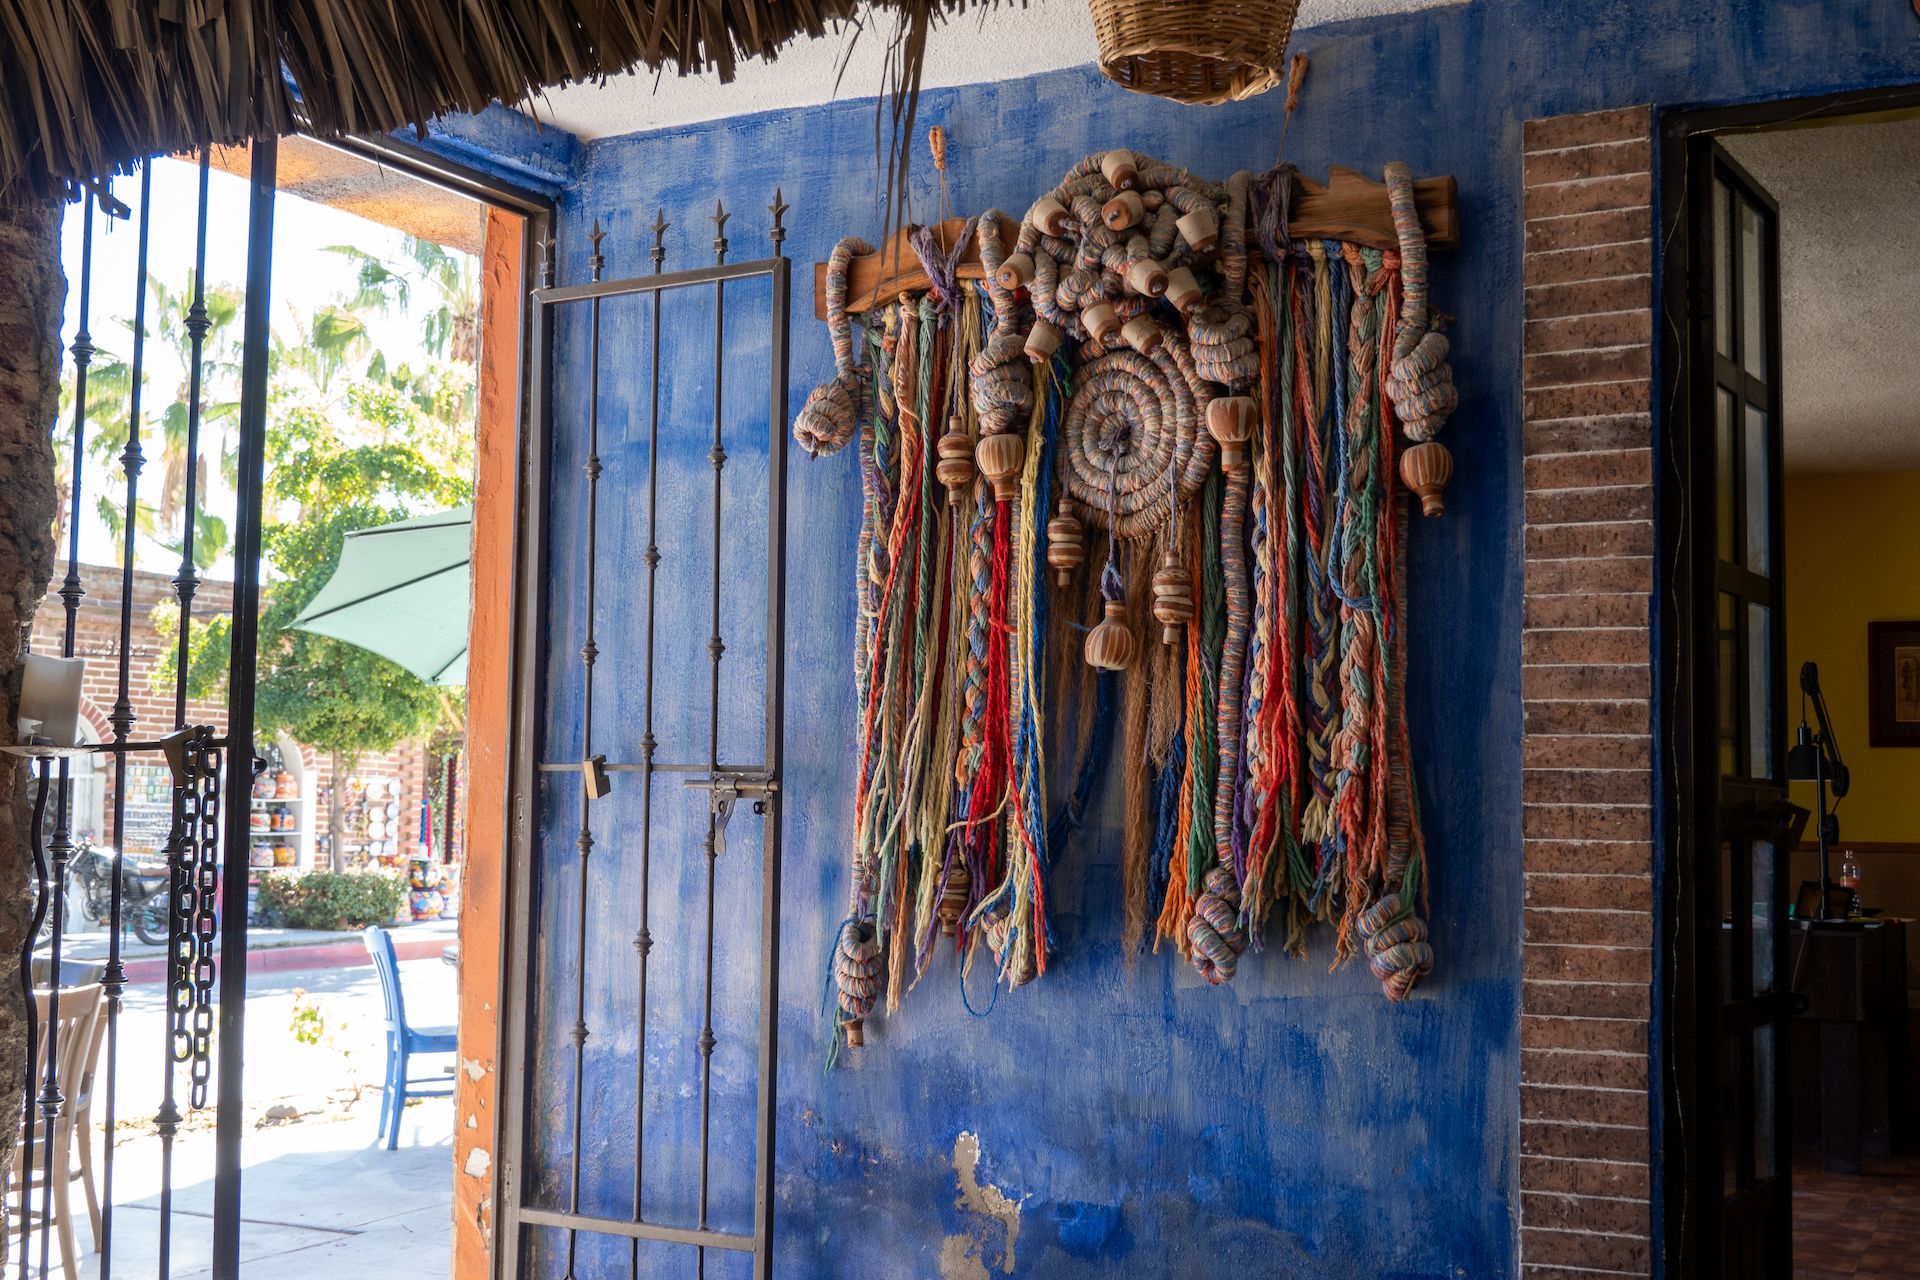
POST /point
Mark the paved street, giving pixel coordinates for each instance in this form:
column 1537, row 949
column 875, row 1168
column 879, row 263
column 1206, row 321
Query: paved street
column 320, row 1194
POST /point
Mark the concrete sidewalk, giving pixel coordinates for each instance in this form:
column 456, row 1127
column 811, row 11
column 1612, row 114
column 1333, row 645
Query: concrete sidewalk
column 322, row 1199
column 271, row 950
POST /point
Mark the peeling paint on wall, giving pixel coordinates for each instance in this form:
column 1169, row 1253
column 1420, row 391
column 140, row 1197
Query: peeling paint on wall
column 964, row 1256
column 478, row 1162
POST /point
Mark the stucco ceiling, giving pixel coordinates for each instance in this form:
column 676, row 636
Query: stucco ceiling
column 1002, row 43
column 1849, row 236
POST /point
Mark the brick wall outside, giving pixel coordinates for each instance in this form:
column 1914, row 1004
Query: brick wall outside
column 1586, row 680
column 97, row 639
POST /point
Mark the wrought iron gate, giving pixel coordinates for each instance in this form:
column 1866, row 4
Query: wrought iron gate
column 206, row 846
column 595, row 809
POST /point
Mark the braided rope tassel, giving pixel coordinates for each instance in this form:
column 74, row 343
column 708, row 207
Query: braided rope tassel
column 1321, row 655
column 1230, row 686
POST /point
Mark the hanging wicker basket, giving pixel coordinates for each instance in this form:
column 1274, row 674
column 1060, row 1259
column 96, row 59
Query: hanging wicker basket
column 1201, row 51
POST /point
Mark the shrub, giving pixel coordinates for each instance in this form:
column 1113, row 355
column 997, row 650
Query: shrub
column 333, row 900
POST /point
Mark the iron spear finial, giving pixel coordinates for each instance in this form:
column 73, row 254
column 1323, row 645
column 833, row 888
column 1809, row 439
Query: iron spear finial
column 778, row 209
column 720, row 216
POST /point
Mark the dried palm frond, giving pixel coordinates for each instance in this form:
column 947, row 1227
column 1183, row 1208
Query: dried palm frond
column 87, row 87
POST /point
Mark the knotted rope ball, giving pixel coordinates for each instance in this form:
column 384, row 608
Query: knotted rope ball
column 1396, row 944
column 1214, row 929
column 1132, row 435
column 831, row 414
column 856, row 972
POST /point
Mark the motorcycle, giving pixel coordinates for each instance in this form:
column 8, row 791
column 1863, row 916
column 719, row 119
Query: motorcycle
column 144, row 901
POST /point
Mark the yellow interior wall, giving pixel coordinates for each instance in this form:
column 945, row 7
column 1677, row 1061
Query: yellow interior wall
column 1853, row 557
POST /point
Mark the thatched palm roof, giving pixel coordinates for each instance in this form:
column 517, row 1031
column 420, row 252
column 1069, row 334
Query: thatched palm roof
column 88, row 86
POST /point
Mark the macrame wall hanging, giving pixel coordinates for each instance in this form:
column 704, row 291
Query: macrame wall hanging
column 1129, row 489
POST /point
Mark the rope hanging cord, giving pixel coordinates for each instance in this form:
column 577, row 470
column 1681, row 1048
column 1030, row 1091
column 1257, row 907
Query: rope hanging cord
column 831, row 415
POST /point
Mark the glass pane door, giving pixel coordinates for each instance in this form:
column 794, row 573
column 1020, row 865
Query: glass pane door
column 1736, row 359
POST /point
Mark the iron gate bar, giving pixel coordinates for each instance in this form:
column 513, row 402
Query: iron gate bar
column 641, row 766
column 550, row 296
column 716, row 649
column 639, row 1231
column 649, row 743
column 589, row 790
column 50, row 1099
column 122, row 717
column 240, row 700
column 185, row 585
column 725, row 783
column 530, row 596
column 776, row 701
column 50, row 893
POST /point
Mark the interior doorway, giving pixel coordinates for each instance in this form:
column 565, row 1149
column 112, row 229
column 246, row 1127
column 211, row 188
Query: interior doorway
column 1794, row 867
column 297, row 341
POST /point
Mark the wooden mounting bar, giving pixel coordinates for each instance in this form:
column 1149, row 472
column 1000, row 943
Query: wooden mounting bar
column 1348, row 206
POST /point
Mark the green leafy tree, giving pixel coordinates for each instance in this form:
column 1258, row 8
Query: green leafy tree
column 368, row 459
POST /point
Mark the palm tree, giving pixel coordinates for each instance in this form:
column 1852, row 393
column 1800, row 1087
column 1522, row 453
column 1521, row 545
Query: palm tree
column 109, row 404
column 452, row 327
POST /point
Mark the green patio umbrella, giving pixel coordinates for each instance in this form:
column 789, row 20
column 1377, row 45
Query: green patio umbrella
column 403, row 591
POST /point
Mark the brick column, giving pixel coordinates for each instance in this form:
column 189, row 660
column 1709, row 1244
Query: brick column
column 1586, row 680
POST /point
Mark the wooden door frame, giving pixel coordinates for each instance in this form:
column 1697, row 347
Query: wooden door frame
column 1686, row 737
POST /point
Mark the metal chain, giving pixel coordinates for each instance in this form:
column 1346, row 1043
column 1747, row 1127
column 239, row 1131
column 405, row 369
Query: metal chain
column 204, row 766
column 181, row 898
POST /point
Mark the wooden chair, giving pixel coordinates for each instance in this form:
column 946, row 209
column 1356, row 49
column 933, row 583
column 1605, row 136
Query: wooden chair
column 403, row 1040
column 78, row 1038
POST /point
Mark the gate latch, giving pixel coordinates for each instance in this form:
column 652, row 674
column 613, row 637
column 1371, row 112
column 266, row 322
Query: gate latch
column 724, row 790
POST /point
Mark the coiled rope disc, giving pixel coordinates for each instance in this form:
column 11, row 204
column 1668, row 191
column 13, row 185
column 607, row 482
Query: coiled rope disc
column 1133, row 432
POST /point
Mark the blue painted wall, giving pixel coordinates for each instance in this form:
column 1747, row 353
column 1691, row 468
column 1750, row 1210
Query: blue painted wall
column 1134, row 1121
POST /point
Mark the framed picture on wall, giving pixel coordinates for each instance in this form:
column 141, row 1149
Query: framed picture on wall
column 1893, row 684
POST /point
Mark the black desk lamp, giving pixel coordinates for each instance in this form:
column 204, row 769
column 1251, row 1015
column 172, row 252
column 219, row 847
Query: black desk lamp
column 1815, row 758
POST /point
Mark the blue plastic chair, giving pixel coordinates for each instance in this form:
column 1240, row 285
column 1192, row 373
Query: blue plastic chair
column 403, row 1041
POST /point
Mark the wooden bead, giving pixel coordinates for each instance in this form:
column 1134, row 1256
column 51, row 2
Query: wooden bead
column 955, row 468
column 1050, row 216
column 1015, row 272
column 1000, row 458
column 1200, row 229
column 1110, row 645
column 1172, row 598
column 1184, row 292
column 1142, row 334
column 1120, row 169
column 1230, row 423
column 1426, row 469
column 1123, row 211
column 1146, row 277
column 954, row 897
column 1066, row 543
column 1042, row 341
column 1102, row 321
column 856, row 1032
